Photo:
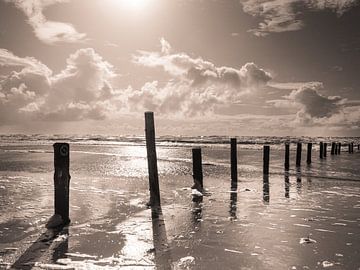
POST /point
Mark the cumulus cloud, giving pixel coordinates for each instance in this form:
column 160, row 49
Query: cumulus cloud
column 50, row 32
column 285, row 15
column 197, row 86
column 82, row 90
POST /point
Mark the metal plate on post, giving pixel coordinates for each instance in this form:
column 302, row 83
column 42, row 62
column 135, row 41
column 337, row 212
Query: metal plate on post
column 64, row 150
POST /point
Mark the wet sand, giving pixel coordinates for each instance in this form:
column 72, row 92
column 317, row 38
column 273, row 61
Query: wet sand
column 298, row 222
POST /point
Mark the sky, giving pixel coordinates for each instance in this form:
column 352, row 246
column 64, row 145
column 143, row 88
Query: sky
column 204, row 67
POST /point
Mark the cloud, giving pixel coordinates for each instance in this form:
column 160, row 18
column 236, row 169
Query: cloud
column 50, row 32
column 197, row 86
column 82, row 90
column 285, row 15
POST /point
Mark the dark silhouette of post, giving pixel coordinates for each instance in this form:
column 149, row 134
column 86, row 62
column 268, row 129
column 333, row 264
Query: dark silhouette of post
column 61, row 183
column 266, row 159
column 197, row 169
column 152, row 160
column 336, row 148
column 298, row 154
column 287, row 157
column 332, row 148
column 339, row 149
column 325, row 150
column 349, row 148
column 321, row 152
column 308, row 157
column 234, row 171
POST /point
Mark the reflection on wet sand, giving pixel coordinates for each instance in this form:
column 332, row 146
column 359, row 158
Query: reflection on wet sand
column 161, row 247
column 287, row 185
column 27, row 260
column 197, row 209
column 266, row 189
column 233, row 204
column 298, row 180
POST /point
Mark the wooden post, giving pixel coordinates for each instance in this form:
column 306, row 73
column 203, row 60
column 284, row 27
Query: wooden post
column 325, row 150
column 358, row 146
column 336, row 148
column 197, row 169
column 298, row 154
column 321, row 150
column 349, row 148
column 287, row 156
column 352, row 148
column 152, row 159
column 309, row 148
column 62, row 181
column 266, row 159
column 233, row 159
column 332, row 148
column 339, row 148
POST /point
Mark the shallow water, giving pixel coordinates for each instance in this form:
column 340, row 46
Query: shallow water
column 305, row 220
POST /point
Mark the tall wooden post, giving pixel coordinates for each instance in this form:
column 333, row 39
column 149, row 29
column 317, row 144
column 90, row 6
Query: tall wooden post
column 62, row 181
column 309, row 148
column 152, row 159
column 298, row 154
column 332, row 148
column 287, row 157
column 339, row 149
column 325, row 150
column 233, row 158
column 197, row 169
column 266, row 159
column 321, row 150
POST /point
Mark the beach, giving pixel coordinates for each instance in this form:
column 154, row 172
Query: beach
column 306, row 219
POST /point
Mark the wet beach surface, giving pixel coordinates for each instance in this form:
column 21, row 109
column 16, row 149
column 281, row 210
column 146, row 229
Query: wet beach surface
column 305, row 220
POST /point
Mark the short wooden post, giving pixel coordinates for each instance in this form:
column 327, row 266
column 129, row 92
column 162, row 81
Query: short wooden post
column 309, row 148
column 197, row 169
column 298, row 154
column 62, row 181
column 325, row 150
column 339, row 149
column 287, row 157
column 336, row 148
column 321, row 150
column 152, row 160
column 266, row 159
column 233, row 159
column 332, row 148
column 349, row 148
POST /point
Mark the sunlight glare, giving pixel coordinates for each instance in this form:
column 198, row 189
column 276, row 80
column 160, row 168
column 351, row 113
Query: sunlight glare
column 132, row 4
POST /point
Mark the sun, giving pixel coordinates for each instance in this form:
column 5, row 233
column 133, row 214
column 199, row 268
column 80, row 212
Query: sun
column 133, row 4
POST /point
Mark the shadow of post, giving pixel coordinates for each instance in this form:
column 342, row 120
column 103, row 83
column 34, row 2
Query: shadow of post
column 27, row 260
column 162, row 251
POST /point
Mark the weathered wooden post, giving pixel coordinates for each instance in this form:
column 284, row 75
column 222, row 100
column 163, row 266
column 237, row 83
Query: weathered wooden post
column 332, row 148
column 325, row 150
column 352, row 147
column 197, row 169
column 62, row 184
column 266, row 159
column 152, row 160
column 233, row 159
column 358, row 146
column 298, row 154
column 309, row 148
column 321, row 152
column 349, row 148
column 287, row 156
column 339, row 149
